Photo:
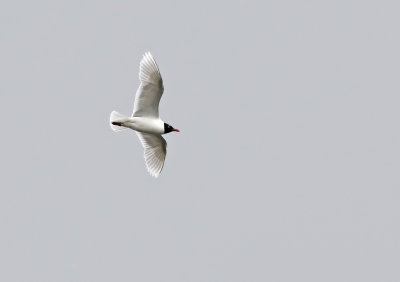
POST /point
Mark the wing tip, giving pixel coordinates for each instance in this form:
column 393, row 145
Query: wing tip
column 147, row 53
column 149, row 70
column 155, row 173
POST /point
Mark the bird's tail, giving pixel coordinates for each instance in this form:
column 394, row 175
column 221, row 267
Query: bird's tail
column 116, row 120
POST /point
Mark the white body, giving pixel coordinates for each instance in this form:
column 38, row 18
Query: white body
column 143, row 124
column 145, row 120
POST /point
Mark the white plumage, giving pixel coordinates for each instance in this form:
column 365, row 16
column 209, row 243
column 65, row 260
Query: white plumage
column 155, row 151
column 145, row 117
column 150, row 90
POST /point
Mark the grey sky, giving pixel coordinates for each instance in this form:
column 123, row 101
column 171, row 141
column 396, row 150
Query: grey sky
column 286, row 169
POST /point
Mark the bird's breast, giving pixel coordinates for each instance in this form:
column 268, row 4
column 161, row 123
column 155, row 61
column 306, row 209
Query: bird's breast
column 147, row 125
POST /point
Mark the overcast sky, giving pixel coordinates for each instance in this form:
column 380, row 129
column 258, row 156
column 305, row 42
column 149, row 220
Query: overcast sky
column 286, row 167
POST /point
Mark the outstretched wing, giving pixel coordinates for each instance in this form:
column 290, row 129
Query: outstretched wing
column 150, row 90
column 155, row 151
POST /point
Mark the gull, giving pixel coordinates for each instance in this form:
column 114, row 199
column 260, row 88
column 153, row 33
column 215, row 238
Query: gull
column 145, row 119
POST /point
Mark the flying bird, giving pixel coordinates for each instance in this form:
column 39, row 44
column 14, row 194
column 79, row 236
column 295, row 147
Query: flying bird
column 145, row 119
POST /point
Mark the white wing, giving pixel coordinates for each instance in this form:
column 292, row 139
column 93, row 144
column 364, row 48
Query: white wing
column 150, row 90
column 155, row 150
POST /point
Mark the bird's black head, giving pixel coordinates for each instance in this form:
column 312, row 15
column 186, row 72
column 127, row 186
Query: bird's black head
column 168, row 128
